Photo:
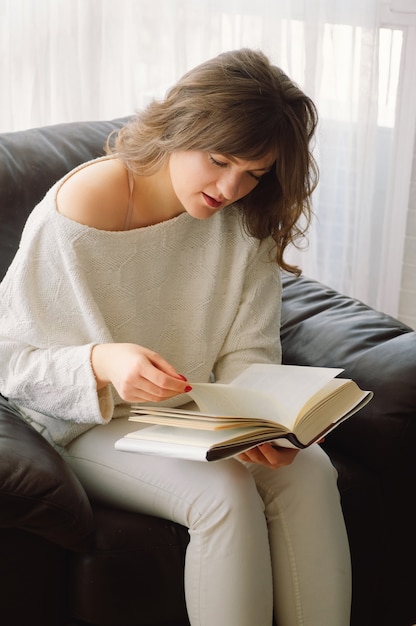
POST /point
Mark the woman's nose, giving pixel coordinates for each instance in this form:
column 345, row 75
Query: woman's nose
column 228, row 185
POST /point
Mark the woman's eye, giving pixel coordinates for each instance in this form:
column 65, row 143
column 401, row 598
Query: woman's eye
column 216, row 162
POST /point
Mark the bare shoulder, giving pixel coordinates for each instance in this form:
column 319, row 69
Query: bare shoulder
column 96, row 195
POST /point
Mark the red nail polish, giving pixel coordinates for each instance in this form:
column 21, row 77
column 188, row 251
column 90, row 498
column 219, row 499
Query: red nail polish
column 182, row 377
column 188, row 388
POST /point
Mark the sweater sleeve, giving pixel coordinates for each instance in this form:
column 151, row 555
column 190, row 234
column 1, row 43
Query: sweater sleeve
column 48, row 325
column 254, row 336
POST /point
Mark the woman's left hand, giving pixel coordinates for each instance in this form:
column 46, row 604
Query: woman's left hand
column 269, row 455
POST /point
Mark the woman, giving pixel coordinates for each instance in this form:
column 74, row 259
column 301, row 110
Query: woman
column 160, row 264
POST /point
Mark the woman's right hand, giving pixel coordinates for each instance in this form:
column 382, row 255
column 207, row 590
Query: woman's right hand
column 138, row 374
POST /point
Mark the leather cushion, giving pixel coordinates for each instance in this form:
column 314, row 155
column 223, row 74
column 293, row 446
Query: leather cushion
column 39, row 493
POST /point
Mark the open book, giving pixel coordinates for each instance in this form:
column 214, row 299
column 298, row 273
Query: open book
column 288, row 405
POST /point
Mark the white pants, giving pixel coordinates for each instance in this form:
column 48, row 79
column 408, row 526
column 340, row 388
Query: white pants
column 261, row 540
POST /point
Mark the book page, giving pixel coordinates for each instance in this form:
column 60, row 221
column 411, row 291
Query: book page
column 272, row 392
column 189, row 420
column 226, row 400
column 333, row 409
column 206, row 439
column 292, row 385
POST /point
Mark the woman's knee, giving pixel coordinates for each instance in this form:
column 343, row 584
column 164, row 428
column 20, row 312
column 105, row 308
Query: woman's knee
column 310, row 477
column 315, row 467
column 229, row 496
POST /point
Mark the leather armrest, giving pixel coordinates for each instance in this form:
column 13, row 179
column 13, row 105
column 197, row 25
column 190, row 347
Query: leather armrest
column 322, row 327
column 39, row 492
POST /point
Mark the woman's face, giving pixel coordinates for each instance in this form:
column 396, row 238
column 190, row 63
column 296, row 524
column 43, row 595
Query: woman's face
column 205, row 183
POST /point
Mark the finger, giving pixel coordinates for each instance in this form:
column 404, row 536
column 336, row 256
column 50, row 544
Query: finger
column 136, row 387
column 255, row 455
column 243, row 457
column 284, row 455
column 273, row 454
column 162, row 376
column 162, row 387
column 145, row 391
column 270, row 456
column 139, row 396
column 163, row 366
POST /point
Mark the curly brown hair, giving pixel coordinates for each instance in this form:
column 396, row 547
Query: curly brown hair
column 241, row 105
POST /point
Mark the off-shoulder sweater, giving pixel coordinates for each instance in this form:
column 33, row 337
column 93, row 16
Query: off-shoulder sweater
column 201, row 293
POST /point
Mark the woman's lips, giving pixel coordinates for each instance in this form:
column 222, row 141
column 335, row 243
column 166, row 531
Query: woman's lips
column 212, row 202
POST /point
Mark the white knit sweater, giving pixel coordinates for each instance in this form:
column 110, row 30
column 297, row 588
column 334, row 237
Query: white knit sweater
column 201, row 293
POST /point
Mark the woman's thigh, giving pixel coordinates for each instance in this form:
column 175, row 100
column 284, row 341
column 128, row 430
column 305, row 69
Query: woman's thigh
column 172, row 488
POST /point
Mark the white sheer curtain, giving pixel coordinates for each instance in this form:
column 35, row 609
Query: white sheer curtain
column 65, row 60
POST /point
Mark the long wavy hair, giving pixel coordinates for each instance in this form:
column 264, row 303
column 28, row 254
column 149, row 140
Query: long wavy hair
column 237, row 104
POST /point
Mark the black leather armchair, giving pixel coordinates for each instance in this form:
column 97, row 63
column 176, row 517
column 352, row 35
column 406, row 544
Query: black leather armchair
column 67, row 561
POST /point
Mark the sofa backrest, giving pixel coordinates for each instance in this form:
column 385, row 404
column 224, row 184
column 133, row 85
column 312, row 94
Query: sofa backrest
column 31, row 161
